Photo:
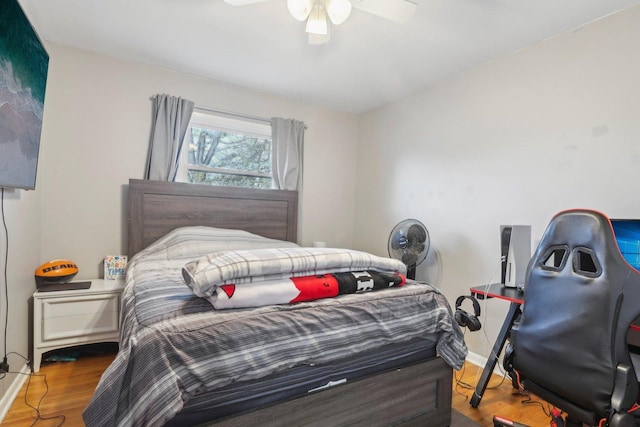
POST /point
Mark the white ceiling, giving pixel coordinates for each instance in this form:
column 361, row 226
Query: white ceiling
column 368, row 62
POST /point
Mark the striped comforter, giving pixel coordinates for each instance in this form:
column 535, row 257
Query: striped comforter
column 175, row 344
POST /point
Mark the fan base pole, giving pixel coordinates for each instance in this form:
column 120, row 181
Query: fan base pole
column 411, row 272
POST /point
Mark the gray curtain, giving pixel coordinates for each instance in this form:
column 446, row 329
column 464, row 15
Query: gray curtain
column 287, row 138
column 170, row 120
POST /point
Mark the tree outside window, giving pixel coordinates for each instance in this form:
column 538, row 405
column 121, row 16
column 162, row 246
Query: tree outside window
column 224, row 151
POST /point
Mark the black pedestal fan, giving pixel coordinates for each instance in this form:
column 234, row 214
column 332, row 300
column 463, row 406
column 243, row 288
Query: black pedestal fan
column 409, row 242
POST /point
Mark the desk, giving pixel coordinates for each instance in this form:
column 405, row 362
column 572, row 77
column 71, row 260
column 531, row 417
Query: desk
column 516, row 299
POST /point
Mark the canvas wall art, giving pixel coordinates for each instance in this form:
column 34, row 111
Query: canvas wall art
column 23, row 76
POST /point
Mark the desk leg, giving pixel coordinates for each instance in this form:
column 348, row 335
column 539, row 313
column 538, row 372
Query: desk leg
column 512, row 315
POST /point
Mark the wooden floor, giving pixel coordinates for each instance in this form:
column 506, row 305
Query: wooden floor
column 71, row 384
column 500, row 398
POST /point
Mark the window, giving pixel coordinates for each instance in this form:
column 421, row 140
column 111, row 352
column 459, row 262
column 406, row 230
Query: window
column 220, row 150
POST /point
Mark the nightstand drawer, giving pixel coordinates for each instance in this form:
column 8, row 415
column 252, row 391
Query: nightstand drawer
column 80, row 316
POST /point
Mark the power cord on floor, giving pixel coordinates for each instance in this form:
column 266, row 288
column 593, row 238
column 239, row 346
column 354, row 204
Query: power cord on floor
column 460, row 383
column 549, row 411
column 39, row 416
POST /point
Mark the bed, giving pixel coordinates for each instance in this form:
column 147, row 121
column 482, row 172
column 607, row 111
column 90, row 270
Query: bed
column 373, row 358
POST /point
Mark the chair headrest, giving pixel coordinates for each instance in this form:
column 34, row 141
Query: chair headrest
column 584, row 236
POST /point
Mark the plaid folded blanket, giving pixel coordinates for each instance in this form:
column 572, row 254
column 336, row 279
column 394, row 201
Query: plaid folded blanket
column 206, row 273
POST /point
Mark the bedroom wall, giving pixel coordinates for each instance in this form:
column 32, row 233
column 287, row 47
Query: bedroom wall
column 551, row 127
column 97, row 138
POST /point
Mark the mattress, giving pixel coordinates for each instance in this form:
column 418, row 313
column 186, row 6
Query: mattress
column 175, row 346
column 299, row 381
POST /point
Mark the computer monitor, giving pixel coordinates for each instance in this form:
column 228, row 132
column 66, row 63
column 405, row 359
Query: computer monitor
column 627, row 232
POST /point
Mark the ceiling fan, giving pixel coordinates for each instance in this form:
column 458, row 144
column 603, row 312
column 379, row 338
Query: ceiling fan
column 315, row 12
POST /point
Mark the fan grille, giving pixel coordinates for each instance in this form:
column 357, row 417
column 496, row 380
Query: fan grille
column 409, row 242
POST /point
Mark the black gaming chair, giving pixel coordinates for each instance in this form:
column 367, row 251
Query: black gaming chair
column 570, row 345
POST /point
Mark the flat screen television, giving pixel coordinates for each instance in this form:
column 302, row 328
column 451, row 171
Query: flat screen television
column 23, row 77
column 627, row 232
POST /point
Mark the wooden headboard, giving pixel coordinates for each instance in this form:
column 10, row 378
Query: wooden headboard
column 157, row 207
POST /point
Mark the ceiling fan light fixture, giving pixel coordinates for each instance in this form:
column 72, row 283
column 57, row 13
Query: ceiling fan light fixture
column 299, row 9
column 338, row 10
column 317, row 21
column 318, row 39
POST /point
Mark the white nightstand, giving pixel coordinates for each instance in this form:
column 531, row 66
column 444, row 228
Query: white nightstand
column 69, row 318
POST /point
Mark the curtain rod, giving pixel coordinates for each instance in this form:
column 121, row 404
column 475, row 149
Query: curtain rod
column 238, row 115
column 232, row 114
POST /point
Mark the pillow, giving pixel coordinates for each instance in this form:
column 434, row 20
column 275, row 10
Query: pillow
column 187, row 243
column 206, row 273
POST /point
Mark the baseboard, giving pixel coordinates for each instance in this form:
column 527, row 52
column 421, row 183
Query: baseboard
column 481, row 361
column 13, row 390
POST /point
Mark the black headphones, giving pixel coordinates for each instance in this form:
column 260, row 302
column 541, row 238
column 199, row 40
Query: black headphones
column 463, row 318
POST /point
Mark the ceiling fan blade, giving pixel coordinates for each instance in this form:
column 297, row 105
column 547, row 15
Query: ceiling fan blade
column 242, row 2
column 399, row 11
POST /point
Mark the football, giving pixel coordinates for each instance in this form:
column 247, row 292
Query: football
column 56, row 271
